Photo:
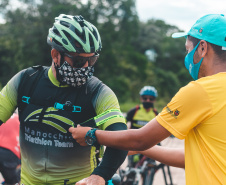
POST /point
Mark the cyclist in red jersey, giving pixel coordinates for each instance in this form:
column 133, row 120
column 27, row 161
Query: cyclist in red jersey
column 10, row 150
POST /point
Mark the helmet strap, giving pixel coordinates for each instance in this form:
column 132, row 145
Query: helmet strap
column 57, row 73
column 61, row 58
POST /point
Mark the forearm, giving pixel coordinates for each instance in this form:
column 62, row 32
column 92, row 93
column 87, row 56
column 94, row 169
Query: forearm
column 134, row 139
column 111, row 161
column 169, row 156
column 124, row 140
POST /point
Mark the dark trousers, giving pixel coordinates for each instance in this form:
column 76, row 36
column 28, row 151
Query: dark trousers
column 8, row 166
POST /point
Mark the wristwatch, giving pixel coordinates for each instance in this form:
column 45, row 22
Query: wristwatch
column 90, row 137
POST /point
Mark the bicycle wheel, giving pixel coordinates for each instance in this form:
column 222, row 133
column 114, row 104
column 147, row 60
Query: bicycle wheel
column 149, row 176
column 130, row 179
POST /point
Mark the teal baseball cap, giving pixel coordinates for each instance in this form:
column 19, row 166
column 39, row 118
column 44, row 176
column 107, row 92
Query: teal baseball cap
column 211, row 28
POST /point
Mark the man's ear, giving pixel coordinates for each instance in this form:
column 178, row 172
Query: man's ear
column 55, row 56
column 204, row 48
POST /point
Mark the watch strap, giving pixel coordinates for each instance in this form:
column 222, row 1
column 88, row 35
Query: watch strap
column 91, row 134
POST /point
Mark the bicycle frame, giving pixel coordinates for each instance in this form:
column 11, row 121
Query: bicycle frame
column 137, row 172
column 143, row 169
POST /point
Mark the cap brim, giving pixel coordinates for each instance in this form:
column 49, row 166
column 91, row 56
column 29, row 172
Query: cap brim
column 180, row 34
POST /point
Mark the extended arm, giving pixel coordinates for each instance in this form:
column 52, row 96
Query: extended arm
column 133, row 139
column 169, row 156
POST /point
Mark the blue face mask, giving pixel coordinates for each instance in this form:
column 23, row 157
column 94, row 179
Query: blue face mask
column 189, row 64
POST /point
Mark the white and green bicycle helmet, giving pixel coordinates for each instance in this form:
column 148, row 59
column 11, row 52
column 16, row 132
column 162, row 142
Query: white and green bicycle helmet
column 74, row 34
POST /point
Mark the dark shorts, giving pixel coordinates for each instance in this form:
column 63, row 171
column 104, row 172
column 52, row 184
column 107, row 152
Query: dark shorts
column 9, row 166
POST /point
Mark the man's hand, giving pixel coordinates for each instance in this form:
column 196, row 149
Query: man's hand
column 79, row 134
column 92, row 180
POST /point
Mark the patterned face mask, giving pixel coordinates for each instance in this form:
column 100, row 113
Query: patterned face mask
column 75, row 77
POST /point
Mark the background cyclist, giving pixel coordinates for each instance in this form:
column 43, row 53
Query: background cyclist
column 140, row 115
column 10, row 151
column 65, row 94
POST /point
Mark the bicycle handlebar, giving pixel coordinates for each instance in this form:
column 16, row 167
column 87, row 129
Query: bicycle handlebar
column 115, row 180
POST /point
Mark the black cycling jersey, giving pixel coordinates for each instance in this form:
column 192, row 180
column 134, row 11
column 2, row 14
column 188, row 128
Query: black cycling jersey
column 48, row 152
column 139, row 116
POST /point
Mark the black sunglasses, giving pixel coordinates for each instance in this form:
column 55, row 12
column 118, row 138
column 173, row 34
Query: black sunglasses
column 148, row 98
column 79, row 61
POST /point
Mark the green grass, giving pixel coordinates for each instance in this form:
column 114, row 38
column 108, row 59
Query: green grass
column 125, row 107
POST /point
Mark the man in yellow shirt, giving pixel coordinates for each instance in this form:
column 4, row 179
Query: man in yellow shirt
column 196, row 113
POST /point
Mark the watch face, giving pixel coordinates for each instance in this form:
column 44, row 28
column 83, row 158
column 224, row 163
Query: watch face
column 89, row 140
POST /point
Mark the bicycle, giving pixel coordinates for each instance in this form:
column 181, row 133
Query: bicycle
column 143, row 171
column 115, row 180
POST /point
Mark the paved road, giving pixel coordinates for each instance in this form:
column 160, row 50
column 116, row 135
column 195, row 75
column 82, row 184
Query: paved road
column 178, row 174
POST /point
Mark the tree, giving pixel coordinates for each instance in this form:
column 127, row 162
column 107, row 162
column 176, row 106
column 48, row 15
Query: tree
column 122, row 65
column 168, row 67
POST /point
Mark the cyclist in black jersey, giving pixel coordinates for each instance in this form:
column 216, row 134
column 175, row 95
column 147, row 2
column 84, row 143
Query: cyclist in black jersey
column 141, row 114
column 52, row 99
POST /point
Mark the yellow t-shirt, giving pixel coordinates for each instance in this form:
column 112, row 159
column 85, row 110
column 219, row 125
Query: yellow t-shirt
column 197, row 113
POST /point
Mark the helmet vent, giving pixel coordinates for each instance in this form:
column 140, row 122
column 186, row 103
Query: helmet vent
column 64, row 41
column 66, row 34
column 65, row 24
column 95, row 34
column 57, row 42
column 66, row 17
column 56, row 31
column 91, row 41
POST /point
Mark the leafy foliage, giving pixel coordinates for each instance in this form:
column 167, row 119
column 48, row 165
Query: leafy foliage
column 122, row 65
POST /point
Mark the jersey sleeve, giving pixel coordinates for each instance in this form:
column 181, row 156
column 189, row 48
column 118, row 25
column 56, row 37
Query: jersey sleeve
column 8, row 97
column 188, row 108
column 107, row 100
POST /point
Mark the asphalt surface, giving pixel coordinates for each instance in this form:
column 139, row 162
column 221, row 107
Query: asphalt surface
column 177, row 174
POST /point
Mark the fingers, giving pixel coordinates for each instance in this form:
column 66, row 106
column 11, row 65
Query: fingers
column 92, row 180
column 79, row 134
column 70, row 129
column 81, row 182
